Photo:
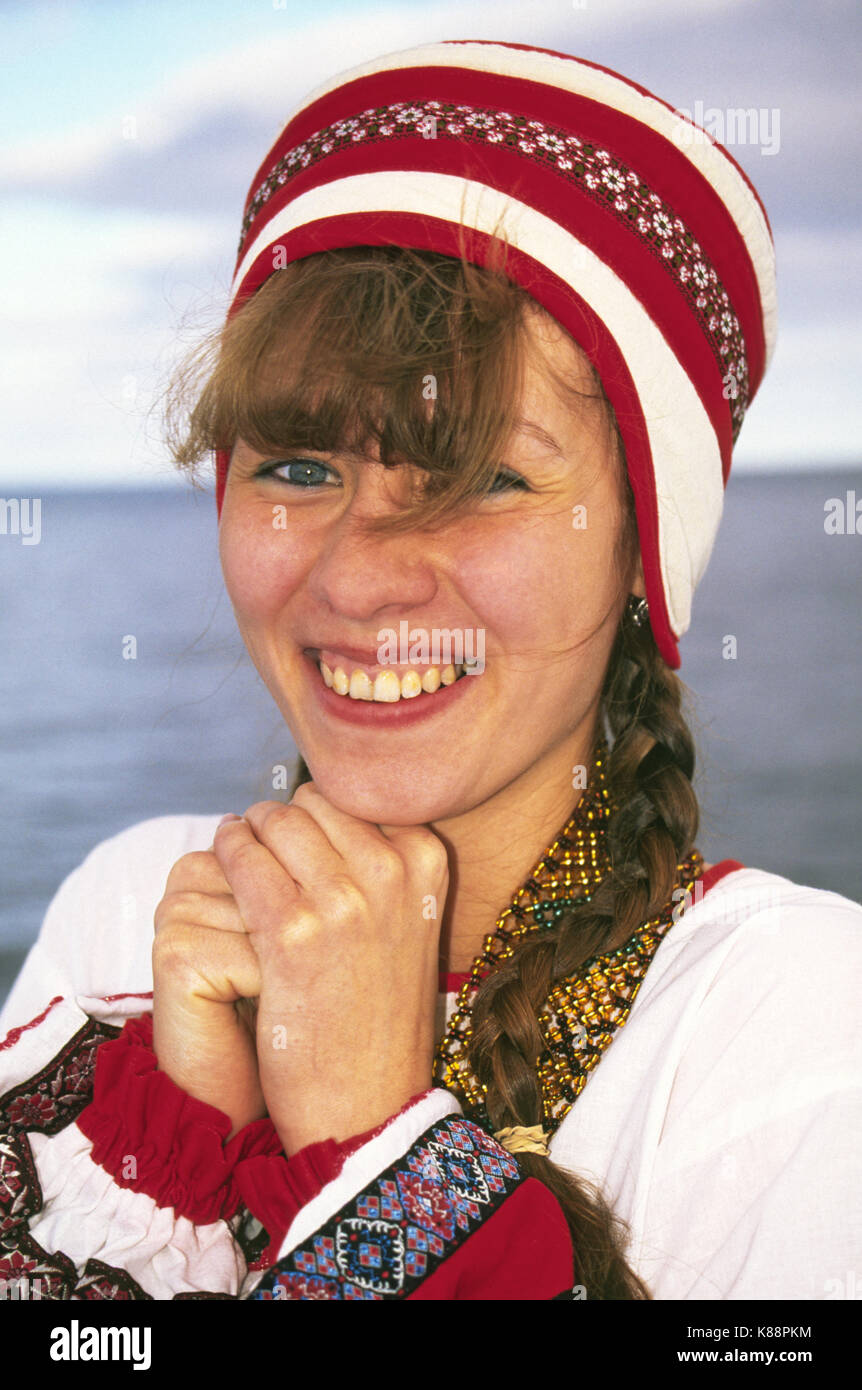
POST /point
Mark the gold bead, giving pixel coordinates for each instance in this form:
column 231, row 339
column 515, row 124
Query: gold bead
column 599, row 998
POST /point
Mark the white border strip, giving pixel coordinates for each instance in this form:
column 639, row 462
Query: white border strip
column 685, row 450
column 367, row 1163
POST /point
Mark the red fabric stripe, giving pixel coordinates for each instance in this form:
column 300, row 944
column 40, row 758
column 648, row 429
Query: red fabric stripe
column 629, row 82
column 222, row 460
column 522, row 1252
column 184, row 1158
column 354, row 229
column 275, row 1188
column 661, row 164
column 111, row 998
column 717, row 872
column 14, row 1034
column 628, row 255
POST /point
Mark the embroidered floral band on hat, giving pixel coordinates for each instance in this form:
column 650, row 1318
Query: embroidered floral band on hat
column 653, row 252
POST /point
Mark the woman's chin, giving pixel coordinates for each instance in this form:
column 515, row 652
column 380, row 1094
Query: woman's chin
column 383, row 801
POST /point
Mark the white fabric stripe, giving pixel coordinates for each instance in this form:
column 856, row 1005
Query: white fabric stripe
column 86, row 1215
column 20, row 1060
column 685, row 450
column 362, row 1167
column 571, row 75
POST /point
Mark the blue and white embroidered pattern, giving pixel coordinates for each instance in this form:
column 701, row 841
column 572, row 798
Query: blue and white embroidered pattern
column 405, row 1223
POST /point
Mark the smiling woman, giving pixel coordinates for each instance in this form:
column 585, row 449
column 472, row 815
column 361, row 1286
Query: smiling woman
column 447, row 510
column 469, row 1018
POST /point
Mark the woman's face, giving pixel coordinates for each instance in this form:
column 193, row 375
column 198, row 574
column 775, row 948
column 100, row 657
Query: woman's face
column 528, row 577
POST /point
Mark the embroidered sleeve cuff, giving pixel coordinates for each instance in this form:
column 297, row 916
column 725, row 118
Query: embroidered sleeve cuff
column 431, row 1192
column 153, row 1138
column 275, row 1188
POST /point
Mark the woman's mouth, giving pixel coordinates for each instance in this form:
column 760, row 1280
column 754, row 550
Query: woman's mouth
column 372, row 696
column 387, row 687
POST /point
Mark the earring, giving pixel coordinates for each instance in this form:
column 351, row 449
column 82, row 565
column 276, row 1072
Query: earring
column 637, row 610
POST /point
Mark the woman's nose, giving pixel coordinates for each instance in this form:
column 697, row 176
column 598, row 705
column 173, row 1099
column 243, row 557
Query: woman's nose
column 361, row 572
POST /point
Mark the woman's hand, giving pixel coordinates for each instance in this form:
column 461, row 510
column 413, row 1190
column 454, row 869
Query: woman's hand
column 344, row 918
column 203, row 963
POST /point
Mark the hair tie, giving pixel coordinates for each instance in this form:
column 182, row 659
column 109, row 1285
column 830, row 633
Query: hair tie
column 524, row 1139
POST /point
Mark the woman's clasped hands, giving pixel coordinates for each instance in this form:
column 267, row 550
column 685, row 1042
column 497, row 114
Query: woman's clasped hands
column 333, row 925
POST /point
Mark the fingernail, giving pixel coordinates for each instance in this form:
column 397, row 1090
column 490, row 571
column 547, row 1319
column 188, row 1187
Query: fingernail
column 224, row 820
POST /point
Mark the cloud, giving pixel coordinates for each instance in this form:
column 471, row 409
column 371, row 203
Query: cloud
column 196, row 130
column 114, row 230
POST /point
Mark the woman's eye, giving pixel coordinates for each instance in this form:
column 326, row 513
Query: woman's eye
column 300, row 472
column 507, row 481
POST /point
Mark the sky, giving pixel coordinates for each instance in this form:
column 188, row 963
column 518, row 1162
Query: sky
column 132, row 129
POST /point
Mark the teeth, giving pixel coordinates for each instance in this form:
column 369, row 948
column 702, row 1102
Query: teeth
column 411, row 685
column 361, row 687
column 386, row 686
column 431, row 680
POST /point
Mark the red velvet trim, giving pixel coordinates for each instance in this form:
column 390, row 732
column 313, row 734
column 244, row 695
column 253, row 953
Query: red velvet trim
column 178, row 1144
column 275, row 1188
column 110, row 998
column 713, row 875
column 522, row 1252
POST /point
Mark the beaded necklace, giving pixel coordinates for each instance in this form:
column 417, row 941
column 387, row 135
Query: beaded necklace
column 582, row 1014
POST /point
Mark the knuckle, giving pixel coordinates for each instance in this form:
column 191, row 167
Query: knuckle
column 428, row 854
column 266, row 812
column 182, row 905
column 302, row 926
column 384, row 866
column 172, row 949
column 343, row 898
column 193, row 869
column 304, row 792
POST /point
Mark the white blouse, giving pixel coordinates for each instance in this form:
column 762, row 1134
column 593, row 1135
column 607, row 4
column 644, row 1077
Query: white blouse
column 723, row 1124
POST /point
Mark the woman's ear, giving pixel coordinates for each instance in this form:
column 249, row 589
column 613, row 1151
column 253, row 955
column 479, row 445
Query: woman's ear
column 637, row 586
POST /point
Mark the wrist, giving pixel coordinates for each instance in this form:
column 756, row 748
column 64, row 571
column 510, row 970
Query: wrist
column 327, row 1116
column 219, row 1069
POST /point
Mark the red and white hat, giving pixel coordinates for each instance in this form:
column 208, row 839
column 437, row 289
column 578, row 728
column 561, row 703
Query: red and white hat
column 639, row 234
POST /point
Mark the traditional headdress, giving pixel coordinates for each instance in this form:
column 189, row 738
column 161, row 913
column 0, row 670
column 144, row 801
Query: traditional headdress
column 639, row 234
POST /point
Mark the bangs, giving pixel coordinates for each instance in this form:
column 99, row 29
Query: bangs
column 414, row 356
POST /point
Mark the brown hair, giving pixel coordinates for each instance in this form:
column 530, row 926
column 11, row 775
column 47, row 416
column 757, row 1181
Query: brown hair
column 329, row 354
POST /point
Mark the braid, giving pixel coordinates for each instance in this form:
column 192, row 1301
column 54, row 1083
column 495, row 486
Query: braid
column 649, row 773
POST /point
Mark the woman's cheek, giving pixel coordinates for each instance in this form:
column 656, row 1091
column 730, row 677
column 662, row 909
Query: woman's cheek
column 514, row 586
column 261, row 562
column 546, row 594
